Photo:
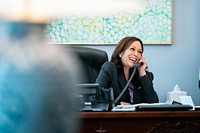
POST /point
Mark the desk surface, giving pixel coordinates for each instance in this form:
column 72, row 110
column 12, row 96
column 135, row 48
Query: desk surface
column 139, row 121
column 140, row 114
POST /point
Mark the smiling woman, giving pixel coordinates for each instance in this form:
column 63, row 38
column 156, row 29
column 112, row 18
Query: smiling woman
column 117, row 72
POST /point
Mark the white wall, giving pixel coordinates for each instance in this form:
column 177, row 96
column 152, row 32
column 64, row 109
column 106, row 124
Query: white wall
column 178, row 63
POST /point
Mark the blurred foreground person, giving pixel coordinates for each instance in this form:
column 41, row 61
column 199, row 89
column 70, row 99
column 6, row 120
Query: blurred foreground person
column 37, row 83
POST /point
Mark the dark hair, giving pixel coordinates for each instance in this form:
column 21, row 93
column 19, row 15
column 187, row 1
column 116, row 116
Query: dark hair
column 121, row 46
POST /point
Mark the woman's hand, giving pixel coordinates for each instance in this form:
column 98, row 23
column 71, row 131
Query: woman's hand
column 142, row 67
column 124, row 103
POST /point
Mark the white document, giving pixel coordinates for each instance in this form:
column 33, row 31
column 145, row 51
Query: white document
column 131, row 107
column 187, row 100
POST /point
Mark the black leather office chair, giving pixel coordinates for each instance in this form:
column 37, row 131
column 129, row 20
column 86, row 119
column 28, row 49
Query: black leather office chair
column 90, row 61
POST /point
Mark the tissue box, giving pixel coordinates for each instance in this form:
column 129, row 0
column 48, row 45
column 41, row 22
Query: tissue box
column 171, row 96
column 175, row 95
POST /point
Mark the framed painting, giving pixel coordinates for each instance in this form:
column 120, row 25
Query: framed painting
column 153, row 25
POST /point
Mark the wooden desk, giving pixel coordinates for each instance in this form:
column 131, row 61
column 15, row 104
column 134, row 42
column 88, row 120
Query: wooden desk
column 131, row 122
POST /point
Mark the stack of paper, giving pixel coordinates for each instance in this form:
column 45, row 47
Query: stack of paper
column 132, row 107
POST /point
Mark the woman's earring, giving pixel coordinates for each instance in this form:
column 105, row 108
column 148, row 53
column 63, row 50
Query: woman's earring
column 120, row 55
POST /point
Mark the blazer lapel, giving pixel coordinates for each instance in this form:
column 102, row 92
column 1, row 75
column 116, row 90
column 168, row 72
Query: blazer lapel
column 122, row 83
column 121, row 80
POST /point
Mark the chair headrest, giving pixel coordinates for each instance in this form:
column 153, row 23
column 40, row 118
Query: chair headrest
column 92, row 60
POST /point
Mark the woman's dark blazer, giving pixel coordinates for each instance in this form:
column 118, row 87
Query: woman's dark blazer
column 110, row 76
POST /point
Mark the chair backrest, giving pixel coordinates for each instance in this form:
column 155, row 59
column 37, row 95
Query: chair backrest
column 91, row 60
